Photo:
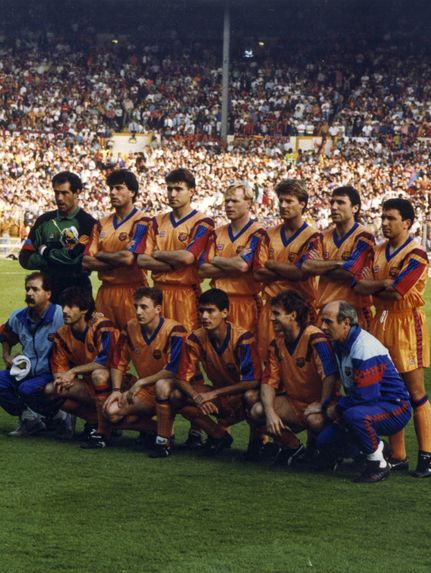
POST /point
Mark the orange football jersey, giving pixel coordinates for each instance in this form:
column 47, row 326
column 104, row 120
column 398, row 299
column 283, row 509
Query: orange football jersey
column 355, row 248
column 235, row 360
column 109, row 236
column 150, row 355
column 97, row 344
column 277, row 246
column 299, row 368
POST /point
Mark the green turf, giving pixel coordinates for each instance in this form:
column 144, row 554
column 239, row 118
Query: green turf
column 115, row 510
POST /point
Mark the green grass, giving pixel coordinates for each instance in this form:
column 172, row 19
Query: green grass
column 115, row 510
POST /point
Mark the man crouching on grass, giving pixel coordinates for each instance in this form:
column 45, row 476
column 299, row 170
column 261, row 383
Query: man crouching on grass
column 229, row 356
column 82, row 354
column 299, row 379
column 376, row 400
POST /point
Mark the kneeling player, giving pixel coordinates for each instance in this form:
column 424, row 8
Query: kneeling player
column 153, row 344
column 230, row 359
column 80, row 362
column 376, row 401
column 299, row 378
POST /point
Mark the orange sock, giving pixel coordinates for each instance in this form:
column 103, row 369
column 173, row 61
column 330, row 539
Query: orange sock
column 422, row 422
column 104, row 426
column 165, row 419
column 203, row 422
column 288, row 440
column 398, row 446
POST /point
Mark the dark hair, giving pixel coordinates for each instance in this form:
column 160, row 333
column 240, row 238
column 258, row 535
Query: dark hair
column 126, row 177
column 152, row 293
column 292, row 301
column 294, row 187
column 77, row 296
column 352, row 194
column 68, row 177
column 403, row 206
column 215, row 296
column 181, row 175
column 46, row 281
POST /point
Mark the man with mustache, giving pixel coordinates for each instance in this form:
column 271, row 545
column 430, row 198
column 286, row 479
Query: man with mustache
column 31, row 327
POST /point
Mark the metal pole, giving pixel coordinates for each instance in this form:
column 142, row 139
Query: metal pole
column 225, row 81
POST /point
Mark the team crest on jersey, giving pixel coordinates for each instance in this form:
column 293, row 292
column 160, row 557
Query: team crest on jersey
column 346, row 255
column 300, row 362
column 240, row 249
column 183, row 237
column 69, row 237
column 122, row 236
column 292, row 257
column 90, row 348
column 157, row 354
column 219, row 247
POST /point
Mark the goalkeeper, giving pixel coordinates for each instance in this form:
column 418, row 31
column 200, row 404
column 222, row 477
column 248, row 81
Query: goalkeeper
column 57, row 240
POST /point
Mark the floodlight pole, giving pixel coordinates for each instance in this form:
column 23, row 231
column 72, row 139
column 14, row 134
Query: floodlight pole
column 225, row 80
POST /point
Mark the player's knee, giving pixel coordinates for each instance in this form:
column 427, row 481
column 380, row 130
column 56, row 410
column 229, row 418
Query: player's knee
column 316, row 423
column 257, row 412
column 100, row 377
column 251, row 397
column 49, row 389
column 163, row 389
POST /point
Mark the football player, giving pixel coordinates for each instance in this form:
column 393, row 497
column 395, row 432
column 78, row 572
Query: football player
column 397, row 281
column 110, row 235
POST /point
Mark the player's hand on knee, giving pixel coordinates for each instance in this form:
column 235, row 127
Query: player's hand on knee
column 208, row 408
column 274, row 424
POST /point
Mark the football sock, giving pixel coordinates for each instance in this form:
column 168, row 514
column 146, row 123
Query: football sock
column 422, row 422
column 165, row 418
column 203, row 422
column 288, row 440
column 377, row 455
column 398, row 446
column 103, row 424
column 161, row 441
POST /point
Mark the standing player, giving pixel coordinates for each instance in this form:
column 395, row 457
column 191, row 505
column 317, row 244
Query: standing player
column 153, row 344
column 280, row 255
column 58, row 238
column 230, row 359
column 80, row 362
column 171, row 247
column 299, row 379
column 228, row 258
column 347, row 249
column 110, row 235
column 397, row 283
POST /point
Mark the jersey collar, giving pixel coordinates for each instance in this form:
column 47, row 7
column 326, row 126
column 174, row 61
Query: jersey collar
column 233, row 237
column 175, row 223
column 339, row 242
column 149, row 339
column 117, row 224
column 287, row 240
column 389, row 255
column 68, row 217
column 220, row 349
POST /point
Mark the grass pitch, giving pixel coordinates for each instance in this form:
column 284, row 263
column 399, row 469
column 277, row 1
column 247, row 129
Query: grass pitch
column 116, row 510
